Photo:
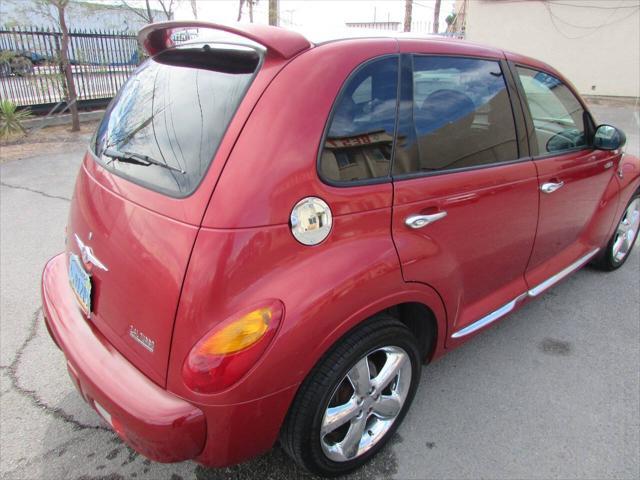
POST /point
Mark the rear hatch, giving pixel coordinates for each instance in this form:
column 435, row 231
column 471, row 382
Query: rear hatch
column 159, row 136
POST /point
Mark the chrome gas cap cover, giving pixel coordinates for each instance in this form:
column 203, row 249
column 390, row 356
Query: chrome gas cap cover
column 311, row 220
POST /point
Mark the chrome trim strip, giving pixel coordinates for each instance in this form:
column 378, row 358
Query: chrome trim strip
column 535, row 291
column 502, row 311
column 486, row 320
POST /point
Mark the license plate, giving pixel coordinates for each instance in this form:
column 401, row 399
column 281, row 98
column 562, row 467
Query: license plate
column 80, row 283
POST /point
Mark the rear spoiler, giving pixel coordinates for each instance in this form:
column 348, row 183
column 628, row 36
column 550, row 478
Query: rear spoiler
column 282, row 43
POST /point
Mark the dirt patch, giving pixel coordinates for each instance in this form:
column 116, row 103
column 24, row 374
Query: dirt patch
column 47, row 139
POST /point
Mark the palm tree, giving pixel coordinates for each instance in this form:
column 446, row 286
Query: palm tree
column 273, row 12
column 408, row 7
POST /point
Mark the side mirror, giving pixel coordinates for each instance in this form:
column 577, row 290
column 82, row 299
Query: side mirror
column 609, row 138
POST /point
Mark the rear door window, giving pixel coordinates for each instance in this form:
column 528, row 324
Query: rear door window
column 171, row 115
column 457, row 115
column 359, row 142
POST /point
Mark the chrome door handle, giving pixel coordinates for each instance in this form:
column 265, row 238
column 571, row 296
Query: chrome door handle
column 551, row 187
column 419, row 221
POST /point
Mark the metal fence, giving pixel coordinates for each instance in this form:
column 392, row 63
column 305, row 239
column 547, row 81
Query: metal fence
column 31, row 73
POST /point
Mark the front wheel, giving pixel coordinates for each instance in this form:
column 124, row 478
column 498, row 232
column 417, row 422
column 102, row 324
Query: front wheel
column 354, row 399
column 620, row 245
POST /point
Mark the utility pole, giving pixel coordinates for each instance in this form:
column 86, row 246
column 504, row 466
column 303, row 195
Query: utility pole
column 436, row 17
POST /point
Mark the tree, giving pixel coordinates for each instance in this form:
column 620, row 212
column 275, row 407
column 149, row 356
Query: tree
column 147, row 14
column 273, row 12
column 194, row 9
column 250, row 4
column 240, row 5
column 168, row 7
column 451, row 18
column 65, row 65
column 436, row 16
column 408, row 7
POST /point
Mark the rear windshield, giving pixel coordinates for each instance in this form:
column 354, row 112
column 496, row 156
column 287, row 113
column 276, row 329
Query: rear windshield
column 163, row 128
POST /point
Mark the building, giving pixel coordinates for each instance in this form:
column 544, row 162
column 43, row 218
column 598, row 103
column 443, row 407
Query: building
column 79, row 15
column 595, row 43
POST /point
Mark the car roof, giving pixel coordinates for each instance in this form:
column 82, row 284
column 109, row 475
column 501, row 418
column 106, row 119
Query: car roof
column 287, row 43
column 320, row 36
column 323, row 36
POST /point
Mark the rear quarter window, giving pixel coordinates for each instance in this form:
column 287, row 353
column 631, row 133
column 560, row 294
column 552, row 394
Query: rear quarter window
column 359, row 140
column 174, row 111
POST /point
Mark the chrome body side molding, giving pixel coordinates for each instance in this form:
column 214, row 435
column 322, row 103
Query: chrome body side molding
column 534, row 292
column 487, row 319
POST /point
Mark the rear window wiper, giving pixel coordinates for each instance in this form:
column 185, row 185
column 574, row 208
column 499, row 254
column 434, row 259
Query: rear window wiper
column 137, row 159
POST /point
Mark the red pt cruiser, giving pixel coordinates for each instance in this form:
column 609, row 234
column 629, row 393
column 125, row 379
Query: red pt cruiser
column 269, row 237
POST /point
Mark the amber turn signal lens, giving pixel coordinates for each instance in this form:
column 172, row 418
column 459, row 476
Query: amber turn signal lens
column 227, row 352
column 239, row 334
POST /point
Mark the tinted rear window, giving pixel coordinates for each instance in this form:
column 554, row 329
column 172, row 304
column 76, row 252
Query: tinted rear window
column 461, row 117
column 360, row 138
column 175, row 114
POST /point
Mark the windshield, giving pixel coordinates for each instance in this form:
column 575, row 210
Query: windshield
column 174, row 115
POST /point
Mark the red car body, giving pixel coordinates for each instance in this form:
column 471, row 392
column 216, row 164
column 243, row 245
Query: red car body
column 177, row 267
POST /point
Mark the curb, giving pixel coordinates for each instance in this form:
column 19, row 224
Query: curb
column 64, row 119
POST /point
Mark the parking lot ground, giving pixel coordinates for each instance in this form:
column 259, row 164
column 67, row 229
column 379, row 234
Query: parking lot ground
column 553, row 391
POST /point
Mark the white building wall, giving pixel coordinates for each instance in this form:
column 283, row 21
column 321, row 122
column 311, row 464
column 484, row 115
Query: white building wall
column 594, row 43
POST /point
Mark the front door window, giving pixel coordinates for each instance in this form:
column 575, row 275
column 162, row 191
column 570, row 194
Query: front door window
column 558, row 117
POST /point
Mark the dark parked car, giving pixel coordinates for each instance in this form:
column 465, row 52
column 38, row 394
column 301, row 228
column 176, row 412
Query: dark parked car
column 269, row 237
column 19, row 63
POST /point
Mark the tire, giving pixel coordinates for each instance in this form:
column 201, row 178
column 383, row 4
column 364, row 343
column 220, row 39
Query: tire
column 615, row 253
column 384, row 342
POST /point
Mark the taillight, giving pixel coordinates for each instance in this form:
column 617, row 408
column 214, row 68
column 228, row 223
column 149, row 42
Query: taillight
column 228, row 351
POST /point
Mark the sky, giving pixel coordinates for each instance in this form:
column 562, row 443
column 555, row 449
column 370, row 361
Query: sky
column 313, row 14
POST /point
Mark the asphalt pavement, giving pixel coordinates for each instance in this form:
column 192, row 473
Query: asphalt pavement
column 553, row 391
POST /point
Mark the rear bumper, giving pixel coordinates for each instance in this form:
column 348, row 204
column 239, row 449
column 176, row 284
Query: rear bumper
column 151, row 420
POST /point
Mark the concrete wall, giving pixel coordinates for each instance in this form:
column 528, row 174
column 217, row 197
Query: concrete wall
column 594, row 43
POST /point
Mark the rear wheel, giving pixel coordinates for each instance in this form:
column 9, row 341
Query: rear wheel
column 354, row 399
column 620, row 245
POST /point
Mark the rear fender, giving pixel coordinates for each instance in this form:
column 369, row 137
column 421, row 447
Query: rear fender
column 326, row 290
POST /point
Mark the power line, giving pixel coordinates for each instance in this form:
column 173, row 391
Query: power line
column 599, row 7
column 553, row 2
column 554, row 18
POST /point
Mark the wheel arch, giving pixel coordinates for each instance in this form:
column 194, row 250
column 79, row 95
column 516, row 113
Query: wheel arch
column 419, row 308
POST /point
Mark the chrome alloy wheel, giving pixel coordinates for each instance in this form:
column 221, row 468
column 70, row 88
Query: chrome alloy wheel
column 366, row 403
column 626, row 231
